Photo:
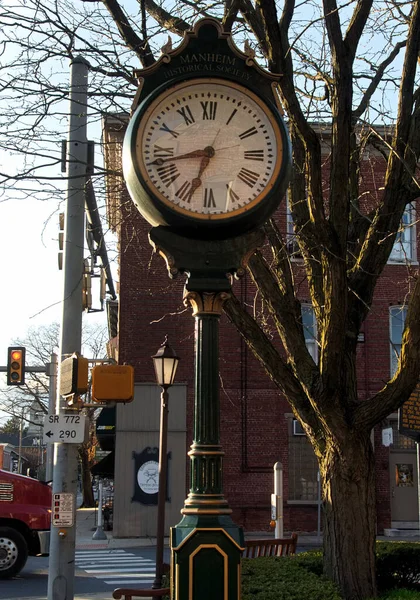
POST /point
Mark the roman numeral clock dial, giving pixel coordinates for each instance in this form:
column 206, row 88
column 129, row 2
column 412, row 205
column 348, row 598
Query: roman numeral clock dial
column 209, row 150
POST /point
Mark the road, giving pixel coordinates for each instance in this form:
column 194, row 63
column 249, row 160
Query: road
column 96, row 571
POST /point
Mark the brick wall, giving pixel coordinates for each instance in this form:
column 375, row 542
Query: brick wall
column 254, row 430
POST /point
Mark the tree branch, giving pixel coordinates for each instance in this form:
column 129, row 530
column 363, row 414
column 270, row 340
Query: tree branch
column 139, row 46
column 166, row 19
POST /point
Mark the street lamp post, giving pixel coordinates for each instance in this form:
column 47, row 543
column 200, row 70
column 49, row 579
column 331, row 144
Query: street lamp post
column 165, row 362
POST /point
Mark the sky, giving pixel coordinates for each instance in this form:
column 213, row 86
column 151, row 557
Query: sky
column 32, row 283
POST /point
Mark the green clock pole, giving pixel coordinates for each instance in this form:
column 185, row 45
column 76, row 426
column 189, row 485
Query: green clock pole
column 206, row 544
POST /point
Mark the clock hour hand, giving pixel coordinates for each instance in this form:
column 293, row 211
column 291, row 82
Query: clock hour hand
column 203, row 165
column 196, row 182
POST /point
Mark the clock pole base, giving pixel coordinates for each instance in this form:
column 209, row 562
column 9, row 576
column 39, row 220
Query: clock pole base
column 206, row 558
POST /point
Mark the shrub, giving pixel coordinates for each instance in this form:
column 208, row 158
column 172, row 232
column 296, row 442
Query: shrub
column 312, row 560
column 397, row 565
column 401, row 595
column 281, row 578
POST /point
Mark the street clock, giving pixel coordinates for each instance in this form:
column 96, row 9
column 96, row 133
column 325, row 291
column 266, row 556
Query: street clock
column 206, row 151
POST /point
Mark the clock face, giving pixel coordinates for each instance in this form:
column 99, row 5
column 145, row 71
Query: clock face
column 209, row 149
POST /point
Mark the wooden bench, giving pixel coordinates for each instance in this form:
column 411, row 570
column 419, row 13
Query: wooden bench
column 253, row 549
column 270, row 547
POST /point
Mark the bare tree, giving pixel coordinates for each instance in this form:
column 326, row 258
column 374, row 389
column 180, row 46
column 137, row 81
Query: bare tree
column 350, row 82
column 21, row 401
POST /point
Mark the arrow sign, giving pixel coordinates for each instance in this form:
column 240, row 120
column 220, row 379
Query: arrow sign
column 67, row 429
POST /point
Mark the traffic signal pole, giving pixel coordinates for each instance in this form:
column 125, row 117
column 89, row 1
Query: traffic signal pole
column 63, row 539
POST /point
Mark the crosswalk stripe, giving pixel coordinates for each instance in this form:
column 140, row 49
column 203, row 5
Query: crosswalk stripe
column 106, row 569
column 121, row 582
column 83, row 552
column 111, row 560
column 117, row 571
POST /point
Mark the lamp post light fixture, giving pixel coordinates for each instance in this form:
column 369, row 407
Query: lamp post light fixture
column 165, row 362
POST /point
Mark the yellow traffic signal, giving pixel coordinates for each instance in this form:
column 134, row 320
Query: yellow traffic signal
column 74, row 374
column 15, row 365
column 113, row 383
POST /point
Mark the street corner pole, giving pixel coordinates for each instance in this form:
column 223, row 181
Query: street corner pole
column 52, row 402
column 63, row 539
column 206, row 544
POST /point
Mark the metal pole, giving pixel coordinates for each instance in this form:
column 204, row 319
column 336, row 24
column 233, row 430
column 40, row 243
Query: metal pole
column 160, row 531
column 99, row 533
column 52, row 399
column 278, row 491
column 63, row 540
column 210, row 561
column 20, row 445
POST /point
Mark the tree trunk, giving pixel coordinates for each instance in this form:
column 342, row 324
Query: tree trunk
column 350, row 516
column 88, row 498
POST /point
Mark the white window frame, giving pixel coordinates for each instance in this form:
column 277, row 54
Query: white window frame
column 297, row 428
column 291, row 240
column 310, row 330
column 397, row 316
column 405, row 245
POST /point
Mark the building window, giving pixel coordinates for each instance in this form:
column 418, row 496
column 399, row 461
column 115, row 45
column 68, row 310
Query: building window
column 404, row 248
column 310, row 330
column 397, row 315
column 291, row 240
column 400, row 441
column 303, row 467
column 297, row 428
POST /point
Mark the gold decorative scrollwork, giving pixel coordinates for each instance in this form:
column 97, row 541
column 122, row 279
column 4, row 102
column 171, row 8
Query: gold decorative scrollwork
column 206, row 302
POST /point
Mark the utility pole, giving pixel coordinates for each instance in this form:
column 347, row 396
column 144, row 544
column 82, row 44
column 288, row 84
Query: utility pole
column 63, row 540
column 20, row 444
column 52, row 408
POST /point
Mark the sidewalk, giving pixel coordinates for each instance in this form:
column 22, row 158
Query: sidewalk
column 86, row 527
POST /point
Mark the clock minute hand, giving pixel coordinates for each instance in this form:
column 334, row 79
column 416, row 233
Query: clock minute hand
column 193, row 154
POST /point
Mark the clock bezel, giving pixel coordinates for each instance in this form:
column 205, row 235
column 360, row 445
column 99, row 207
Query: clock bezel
column 159, row 210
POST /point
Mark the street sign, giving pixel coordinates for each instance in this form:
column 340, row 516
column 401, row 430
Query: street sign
column 69, row 429
column 63, row 510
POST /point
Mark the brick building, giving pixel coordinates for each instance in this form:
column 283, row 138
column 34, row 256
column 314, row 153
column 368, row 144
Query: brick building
column 257, row 424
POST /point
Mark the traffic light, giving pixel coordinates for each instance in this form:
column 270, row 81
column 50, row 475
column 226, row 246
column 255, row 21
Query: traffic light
column 15, row 365
column 74, row 374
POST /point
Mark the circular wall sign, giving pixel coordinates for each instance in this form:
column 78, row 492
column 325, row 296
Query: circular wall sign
column 148, row 477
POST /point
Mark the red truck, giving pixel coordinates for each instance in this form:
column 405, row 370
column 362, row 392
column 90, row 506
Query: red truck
column 25, row 519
